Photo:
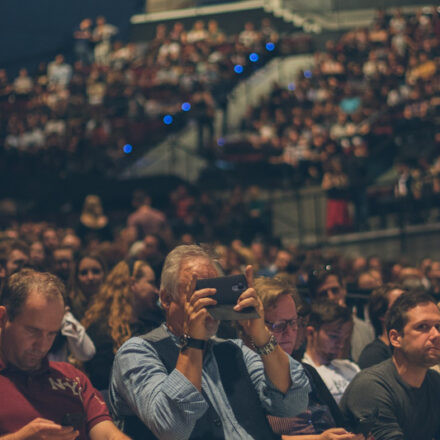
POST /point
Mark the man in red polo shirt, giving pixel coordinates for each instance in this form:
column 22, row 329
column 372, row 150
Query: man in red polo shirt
column 38, row 398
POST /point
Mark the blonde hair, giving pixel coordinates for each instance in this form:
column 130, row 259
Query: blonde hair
column 113, row 302
column 270, row 290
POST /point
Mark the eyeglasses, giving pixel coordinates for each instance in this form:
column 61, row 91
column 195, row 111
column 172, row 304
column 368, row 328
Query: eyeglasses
column 281, row 326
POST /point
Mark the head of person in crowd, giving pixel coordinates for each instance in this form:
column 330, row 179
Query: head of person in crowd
column 327, row 282
column 49, row 238
column 283, row 260
column 369, row 279
column 358, row 264
column 128, row 294
column 280, row 312
column 16, row 254
column 153, row 247
column 71, row 240
column 328, row 330
column 381, row 299
column 411, row 277
column 374, row 262
column 180, row 266
column 433, row 276
column 88, row 274
column 37, row 255
column 63, row 261
column 92, row 215
column 30, row 317
column 413, row 326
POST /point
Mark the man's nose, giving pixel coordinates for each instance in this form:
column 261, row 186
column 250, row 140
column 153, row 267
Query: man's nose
column 435, row 332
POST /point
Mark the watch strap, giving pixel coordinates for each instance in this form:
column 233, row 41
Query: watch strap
column 188, row 341
column 267, row 348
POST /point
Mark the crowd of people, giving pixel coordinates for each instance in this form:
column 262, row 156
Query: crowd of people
column 76, row 116
column 370, row 98
column 103, row 324
column 90, row 296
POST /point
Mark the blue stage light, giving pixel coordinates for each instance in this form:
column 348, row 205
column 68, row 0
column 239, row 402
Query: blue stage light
column 238, row 68
column 307, row 73
column 167, row 119
column 220, row 142
column 270, row 46
column 127, row 148
column 254, row 57
column 186, row 106
column 291, row 86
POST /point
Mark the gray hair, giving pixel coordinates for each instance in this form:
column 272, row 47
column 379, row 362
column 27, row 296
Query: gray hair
column 169, row 279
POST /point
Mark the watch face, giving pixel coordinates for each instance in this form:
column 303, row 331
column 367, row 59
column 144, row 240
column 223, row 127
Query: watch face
column 183, row 341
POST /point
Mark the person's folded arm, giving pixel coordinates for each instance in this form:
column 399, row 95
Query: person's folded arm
column 169, row 404
column 79, row 342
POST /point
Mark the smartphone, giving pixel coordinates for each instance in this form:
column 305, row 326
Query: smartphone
column 73, row 419
column 229, row 289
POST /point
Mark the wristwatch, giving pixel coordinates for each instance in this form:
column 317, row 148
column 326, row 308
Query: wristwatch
column 267, row 348
column 187, row 341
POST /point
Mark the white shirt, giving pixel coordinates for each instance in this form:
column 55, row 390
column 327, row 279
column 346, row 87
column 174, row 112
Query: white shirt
column 336, row 375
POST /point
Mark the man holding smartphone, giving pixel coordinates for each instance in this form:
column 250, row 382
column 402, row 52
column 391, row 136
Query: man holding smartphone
column 180, row 382
column 41, row 399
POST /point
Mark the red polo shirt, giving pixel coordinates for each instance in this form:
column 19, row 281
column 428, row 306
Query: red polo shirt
column 51, row 392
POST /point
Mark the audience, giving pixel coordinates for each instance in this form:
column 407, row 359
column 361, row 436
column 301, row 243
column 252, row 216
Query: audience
column 327, row 128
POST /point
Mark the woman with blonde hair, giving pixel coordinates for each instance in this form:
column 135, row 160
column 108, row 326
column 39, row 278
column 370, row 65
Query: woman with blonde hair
column 125, row 306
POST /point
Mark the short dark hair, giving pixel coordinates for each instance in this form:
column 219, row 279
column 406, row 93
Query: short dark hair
column 325, row 311
column 397, row 316
column 378, row 304
column 20, row 284
column 318, row 275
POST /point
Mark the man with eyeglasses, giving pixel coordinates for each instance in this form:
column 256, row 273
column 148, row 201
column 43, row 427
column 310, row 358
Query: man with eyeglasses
column 328, row 330
column 323, row 419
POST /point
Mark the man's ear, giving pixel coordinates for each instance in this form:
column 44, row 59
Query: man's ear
column 310, row 331
column 395, row 338
column 165, row 299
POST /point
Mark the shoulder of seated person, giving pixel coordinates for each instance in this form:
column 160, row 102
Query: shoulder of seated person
column 344, row 363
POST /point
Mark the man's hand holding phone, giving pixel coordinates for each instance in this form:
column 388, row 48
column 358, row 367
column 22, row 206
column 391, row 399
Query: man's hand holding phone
column 197, row 318
column 254, row 328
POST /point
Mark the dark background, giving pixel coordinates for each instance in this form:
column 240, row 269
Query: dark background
column 32, row 31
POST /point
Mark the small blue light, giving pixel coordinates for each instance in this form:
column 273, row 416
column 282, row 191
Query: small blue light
column 307, row 73
column 186, row 106
column 220, row 142
column 167, row 119
column 291, row 86
column 270, row 46
column 238, row 68
column 254, row 57
column 127, row 148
